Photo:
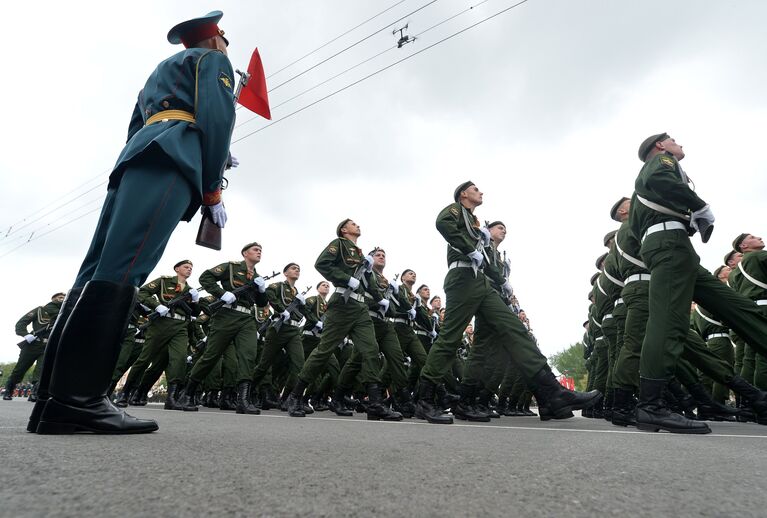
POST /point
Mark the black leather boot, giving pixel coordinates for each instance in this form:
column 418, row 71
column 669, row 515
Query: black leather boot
column 607, row 405
column 49, row 357
column 307, row 407
column 226, row 402
column 445, row 399
column 268, row 399
column 111, row 390
column 171, row 402
column 8, row 394
column 526, row 407
column 482, row 405
column 338, row 404
column 465, row 409
column 679, row 400
column 708, row 409
column 653, row 414
column 207, row 400
column 624, row 408
column 91, row 343
column 320, row 403
column 376, row 409
column 122, row 399
column 425, row 407
column 403, row 403
column 186, row 398
column 139, row 396
column 557, row 402
column 33, row 393
column 244, row 404
column 295, row 400
column 751, row 397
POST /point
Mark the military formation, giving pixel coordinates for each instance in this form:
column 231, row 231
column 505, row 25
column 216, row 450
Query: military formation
column 667, row 341
column 369, row 341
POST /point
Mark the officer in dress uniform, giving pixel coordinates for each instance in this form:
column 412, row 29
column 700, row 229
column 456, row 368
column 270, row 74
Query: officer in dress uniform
column 173, row 161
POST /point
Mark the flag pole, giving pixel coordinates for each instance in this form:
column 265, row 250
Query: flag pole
column 244, row 78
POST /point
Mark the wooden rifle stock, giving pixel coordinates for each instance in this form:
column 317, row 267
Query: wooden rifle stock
column 209, row 234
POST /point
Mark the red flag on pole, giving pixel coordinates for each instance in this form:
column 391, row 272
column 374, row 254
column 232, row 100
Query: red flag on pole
column 254, row 96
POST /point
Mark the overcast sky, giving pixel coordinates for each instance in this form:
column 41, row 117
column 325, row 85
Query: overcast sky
column 543, row 107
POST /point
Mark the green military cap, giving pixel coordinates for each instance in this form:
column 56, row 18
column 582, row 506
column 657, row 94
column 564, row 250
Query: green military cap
column 610, row 235
column 729, row 255
column 585, row 323
column 376, row 249
column 600, row 259
column 405, row 271
column 61, row 293
column 594, row 278
column 288, row 266
column 719, row 270
column 648, row 143
column 460, row 189
column 495, row 224
column 249, row 245
column 320, row 284
column 196, row 30
column 615, row 207
column 182, row 261
column 739, row 240
column 341, row 225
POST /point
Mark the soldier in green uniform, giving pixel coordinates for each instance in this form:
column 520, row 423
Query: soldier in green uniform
column 288, row 338
column 130, row 350
column 717, row 338
column 173, row 161
column 470, row 294
column 33, row 346
column 406, row 313
column 314, row 311
column 167, row 337
column 342, row 263
column 233, row 323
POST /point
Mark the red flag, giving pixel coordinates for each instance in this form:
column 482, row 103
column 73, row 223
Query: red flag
column 254, row 96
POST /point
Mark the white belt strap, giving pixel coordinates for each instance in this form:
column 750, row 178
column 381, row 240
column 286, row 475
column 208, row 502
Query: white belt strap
column 632, row 260
column 615, row 281
column 599, row 285
column 637, row 277
column 618, row 302
column 174, row 316
column 599, row 338
column 756, row 282
column 422, row 333
column 596, row 323
column 707, row 319
column 660, row 208
column 459, row 264
column 609, row 315
column 717, row 335
column 666, row 225
column 355, row 296
column 762, row 302
column 398, row 320
column 241, row 309
column 375, row 314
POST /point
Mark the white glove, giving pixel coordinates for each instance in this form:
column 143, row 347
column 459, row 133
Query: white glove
column 319, row 325
column 234, row 161
column 369, row 263
column 435, row 317
column 411, row 313
column 217, row 213
column 188, row 359
column 703, row 214
column 507, row 287
column 228, row 297
column 300, row 298
column 394, row 287
column 433, row 334
column 485, row 236
column 353, row 283
column 260, row 284
column 477, row 258
column 285, row 315
column 384, row 304
column 194, row 294
column 162, row 310
column 30, row 338
column 205, row 339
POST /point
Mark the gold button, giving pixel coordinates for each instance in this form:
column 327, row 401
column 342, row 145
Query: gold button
column 165, row 104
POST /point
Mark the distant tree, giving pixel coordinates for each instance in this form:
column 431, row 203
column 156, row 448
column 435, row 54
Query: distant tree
column 570, row 362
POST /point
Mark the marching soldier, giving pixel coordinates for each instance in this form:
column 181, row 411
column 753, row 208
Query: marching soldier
column 130, row 350
column 315, row 309
column 33, row 345
column 173, row 161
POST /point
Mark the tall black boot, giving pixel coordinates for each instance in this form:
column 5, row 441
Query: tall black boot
column 403, row 403
column 425, row 408
column 708, row 409
column 465, row 409
column 9, row 388
column 186, row 401
column 338, row 404
column 557, row 402
column 750, row 397
column 226, row 402
column 49, row 357
column 90, row 343
column 139, row 396
column 680, row 401
column 376, row 409
column 652, row 413
column 482, row 405
column 268, row 398
column 244, row 404
column 624, row 408
column 295, row 401
column 445, row 399
column 171, row 399
column 607, row 405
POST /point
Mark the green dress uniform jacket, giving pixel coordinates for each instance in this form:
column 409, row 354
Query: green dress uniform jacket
column 30, row 353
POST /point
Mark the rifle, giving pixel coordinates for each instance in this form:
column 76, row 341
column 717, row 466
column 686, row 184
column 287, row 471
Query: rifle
column 358, row 274
column 181, row 301
column 276, row 319
column 44, row 332
column 215, row 306
column 387, row 294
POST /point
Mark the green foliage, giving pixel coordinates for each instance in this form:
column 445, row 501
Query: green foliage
column 570, row 362
column 7, row 368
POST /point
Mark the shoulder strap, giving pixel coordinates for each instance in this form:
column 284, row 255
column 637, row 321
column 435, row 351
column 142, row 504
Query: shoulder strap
column 756, row 282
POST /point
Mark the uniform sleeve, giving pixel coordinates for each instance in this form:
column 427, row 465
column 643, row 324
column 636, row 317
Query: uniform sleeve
column 451, row 227
column 423, row 318
column 214, row 112
column 666, row 182
column 146, row 294
column 310, row 312
column 136, row 120
column 23, row 324
column 209, row 279
column 273, row 295
column 373, row 287
column 327, row 264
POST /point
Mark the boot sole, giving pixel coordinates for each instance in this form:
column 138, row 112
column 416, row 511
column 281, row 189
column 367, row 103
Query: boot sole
column 472, row 419
column 686, row 431
column 378, row 418
column 51, row 428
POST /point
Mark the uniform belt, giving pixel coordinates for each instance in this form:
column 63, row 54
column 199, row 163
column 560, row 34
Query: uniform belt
column 666, row 225
column 309, row 333
column 462, row 264
column 140, row 340
column 398, row 320
column 422, row 333
column 376, row 314
column 762, row 302
column 131, row 326
column 599, row 338
column 609, row 315
column 355, row 296
column 174, row 316
column 637, row 277
column 618, row 302
column 241, row 309
column 170, row 115
column 294, row 323
column 717, row 335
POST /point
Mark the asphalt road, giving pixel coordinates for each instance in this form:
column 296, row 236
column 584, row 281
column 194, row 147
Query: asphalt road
column 214, row 463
